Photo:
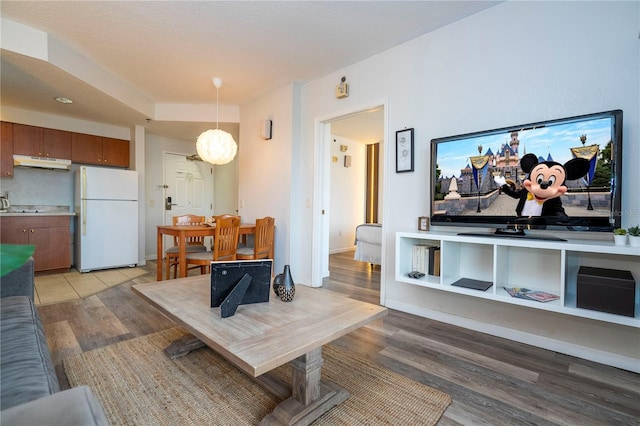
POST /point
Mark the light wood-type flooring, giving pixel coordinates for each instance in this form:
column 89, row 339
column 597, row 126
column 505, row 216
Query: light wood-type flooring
column 492, row 381
column 69, row 285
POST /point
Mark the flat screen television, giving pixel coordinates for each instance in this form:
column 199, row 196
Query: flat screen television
column 227, row 276
column 470, row 171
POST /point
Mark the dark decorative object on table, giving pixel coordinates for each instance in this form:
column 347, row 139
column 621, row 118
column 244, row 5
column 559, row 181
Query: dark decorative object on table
column 284, row 286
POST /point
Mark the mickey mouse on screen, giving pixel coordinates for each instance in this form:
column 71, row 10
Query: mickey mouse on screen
column 543, row 186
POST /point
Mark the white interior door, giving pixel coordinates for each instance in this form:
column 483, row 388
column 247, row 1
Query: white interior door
column 188, row 188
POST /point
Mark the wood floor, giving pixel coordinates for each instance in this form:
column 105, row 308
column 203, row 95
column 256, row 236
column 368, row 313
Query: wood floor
column 492, row 381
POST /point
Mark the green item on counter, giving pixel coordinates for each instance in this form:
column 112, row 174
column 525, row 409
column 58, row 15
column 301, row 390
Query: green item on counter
column 13, row 256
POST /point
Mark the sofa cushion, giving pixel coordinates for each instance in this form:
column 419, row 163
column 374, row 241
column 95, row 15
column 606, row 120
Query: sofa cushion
column 25, row 362
column 18, row 282
column 76, row 406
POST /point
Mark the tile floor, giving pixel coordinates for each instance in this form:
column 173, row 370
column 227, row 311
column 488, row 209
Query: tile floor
column 54, row 288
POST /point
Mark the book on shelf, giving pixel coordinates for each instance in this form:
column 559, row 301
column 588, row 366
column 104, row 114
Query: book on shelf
column 435, row 261
column 426, row 259
column 528, row 294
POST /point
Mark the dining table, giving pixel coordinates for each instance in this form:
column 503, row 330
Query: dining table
column 182, row 233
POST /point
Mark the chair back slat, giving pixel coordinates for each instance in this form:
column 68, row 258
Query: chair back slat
column 263, row 240
column 225, row 240
column 189, row 219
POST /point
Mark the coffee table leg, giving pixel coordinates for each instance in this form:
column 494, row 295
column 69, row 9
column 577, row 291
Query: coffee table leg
column 311, row 397
column 183, row 345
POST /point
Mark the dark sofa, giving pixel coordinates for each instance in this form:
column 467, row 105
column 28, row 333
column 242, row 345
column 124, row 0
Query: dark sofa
column 29, row 389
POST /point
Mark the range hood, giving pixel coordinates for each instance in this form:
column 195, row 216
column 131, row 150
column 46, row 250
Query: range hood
column 41, row 162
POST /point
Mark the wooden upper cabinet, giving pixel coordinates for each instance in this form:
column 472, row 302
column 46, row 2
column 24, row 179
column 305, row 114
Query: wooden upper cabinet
column 27, row 140
column 41, row 142
column 89, row 149
column 56, row 143
column 6, row 149
column 81, row 148
column 86, row 148
column 115, row 152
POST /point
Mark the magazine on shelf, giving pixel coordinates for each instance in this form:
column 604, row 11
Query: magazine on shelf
column 525, row 293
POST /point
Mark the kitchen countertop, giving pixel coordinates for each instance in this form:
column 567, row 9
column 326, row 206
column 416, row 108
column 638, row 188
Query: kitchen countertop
column 33, row 210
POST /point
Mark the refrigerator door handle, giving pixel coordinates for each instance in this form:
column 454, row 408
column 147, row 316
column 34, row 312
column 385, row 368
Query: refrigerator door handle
column 84, row 182
column 83, row 215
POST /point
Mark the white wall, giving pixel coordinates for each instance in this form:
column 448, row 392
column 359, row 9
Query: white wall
column 348, row 187
column 226, row 187
column 265, row 167
column 517, row 62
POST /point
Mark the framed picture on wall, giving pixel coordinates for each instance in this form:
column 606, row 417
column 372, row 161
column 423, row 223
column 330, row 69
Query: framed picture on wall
column 404, row 150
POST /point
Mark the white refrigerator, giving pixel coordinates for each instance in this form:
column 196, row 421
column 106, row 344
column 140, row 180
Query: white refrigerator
column 106, row 232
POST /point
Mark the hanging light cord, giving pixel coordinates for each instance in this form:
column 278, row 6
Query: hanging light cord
column 217, row 108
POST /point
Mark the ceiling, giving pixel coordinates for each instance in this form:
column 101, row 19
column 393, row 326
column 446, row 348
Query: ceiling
column 166, row 52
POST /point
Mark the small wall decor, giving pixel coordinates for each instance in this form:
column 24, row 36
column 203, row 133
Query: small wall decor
column 423, row 223
column 342, row 89
column 266, row 126
column 404, row 150
column 347, row 161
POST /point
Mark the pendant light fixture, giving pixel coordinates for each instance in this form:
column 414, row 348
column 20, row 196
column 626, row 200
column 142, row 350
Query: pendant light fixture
column 216, row 146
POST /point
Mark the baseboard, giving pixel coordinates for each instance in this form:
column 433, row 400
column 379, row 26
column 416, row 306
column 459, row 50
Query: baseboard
column 342, row 250
column 595, row 355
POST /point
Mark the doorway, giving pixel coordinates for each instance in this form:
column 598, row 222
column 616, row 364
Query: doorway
column 188, row 188
column 347, row 125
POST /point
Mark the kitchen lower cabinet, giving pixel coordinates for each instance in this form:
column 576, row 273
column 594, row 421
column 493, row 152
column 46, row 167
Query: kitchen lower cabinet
column 51, row 236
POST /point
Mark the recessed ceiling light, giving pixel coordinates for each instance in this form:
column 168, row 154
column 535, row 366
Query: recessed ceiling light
column 63, row 100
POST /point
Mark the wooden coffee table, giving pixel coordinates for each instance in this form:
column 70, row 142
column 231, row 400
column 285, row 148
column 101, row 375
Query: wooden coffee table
column 263, row 336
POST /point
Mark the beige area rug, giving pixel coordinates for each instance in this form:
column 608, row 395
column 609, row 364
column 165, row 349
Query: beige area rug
column 138, row 385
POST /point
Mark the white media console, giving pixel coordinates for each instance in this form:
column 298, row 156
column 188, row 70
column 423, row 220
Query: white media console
column 550, row 266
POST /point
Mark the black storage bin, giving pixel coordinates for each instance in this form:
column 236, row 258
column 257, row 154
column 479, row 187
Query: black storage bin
column 606, row 290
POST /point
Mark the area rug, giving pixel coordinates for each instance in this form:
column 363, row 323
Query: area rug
column 139, row 385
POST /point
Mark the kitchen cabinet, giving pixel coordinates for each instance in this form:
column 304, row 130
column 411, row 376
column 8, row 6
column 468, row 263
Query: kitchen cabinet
column 41, row 142
column 22, row 139
column 51, row 236
column 103, row 151
column 6, row 149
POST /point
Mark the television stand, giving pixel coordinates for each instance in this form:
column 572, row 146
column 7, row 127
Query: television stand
column 548, row 266
column 512, row 233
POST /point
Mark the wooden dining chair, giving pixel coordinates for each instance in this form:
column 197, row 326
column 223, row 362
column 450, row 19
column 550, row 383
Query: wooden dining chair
column 194, row 244
column 225, row 243
column 262, row 247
